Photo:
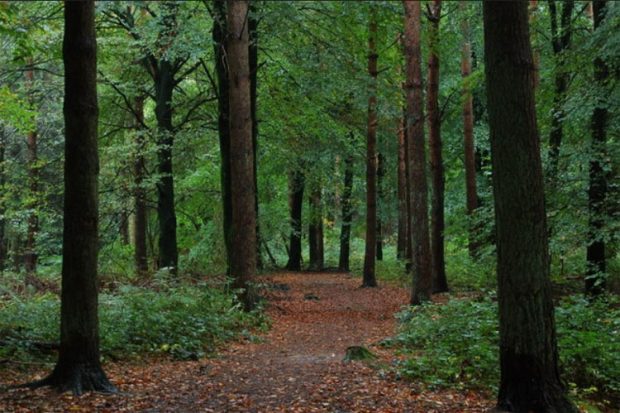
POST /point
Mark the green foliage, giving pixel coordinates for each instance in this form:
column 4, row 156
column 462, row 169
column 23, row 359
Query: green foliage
column 456, row 344
column 186, row 322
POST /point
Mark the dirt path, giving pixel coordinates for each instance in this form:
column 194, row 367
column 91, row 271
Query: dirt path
column 296, row 367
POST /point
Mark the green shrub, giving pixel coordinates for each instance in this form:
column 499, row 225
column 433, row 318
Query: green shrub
column 184, row 321
column 456, row 344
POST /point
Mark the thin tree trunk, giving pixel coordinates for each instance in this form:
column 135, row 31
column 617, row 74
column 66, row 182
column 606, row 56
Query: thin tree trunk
column 78, row 368
column 597, row 191
column 347, row 216
column 418, row 216
column 440, row 283
column 164, row 87
column 401, row 243
column 253, row 51
column 3, row 243
column 315, row 230
column 561, row 40
column 296, row 202
column 140, row 249
column 243, row 228
column 30, row 254
column 371, row 158
column 468, row 135
column 381, row 199
column 221, row 71
column 528, row 353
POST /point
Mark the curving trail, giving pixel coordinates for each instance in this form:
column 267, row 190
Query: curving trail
column 296, row 367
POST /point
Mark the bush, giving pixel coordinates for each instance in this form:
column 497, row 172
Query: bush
column 456, row 344
column 186, row 322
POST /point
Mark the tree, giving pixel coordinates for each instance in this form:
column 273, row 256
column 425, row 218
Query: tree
column 243, row 225
column 78, row 367
column 468, row 133
column 440, row 283
column 296, row 201
column 347, row 215
column 30, row 253
column 418, row 215
column 219, row 44
column 597, row 191
column 401, row 242
column 315, row 229
column 140, row 211
column 369, row 279
column 381, row 201
column 561, row 41
column 528, row 353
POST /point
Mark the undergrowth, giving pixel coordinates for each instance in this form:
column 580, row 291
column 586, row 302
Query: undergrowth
column 186, row 322
column 455, row 345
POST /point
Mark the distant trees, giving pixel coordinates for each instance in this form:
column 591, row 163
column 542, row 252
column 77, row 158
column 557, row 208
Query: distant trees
column 78, row 368
column 528, row 353
column 296, row 182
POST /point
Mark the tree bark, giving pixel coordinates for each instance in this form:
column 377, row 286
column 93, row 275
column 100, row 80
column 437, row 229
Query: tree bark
column 440, row 283
column 164, row 87
column 418, row 215
column 30, row 253
column 597, row 191
column 369, row 279
column 3, row 243
column 561, row 40
column 296, row 202
column 528, row 353
column 401, row 242
column 253, row 51
column 315, row 230
column 468, row 136
column 78, row 367
column 140, row 247
column 347, row 216
column 243, row 225
column 219, row 43
column 381, row 202
column 533, row 14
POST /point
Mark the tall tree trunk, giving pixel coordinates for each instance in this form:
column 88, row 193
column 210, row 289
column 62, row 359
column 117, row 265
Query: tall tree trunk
column 243, row 226
column 381, row 202
column 347, row 216
column 597, row 191
column 296, row 202
column 30, row 254
column 164, row 86
column 528, row 353
column 140, row 249
column 253, row 51
column 561, row 39
column 3, row 243
column 468, row 135
column 371, row 158
column 78, row 368
column 418, row 215
column 315, row 230
column 219, row 41
column 440, row 283
column 221, row 71
column 401, row 242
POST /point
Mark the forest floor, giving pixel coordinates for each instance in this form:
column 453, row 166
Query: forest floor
column 295, row 367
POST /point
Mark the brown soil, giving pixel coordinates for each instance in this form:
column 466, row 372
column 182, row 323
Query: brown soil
column 296, row 367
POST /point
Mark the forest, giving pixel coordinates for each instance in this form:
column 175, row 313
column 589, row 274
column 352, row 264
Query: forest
column 310, row 206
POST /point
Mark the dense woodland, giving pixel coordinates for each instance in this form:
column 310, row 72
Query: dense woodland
column 160, row 160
